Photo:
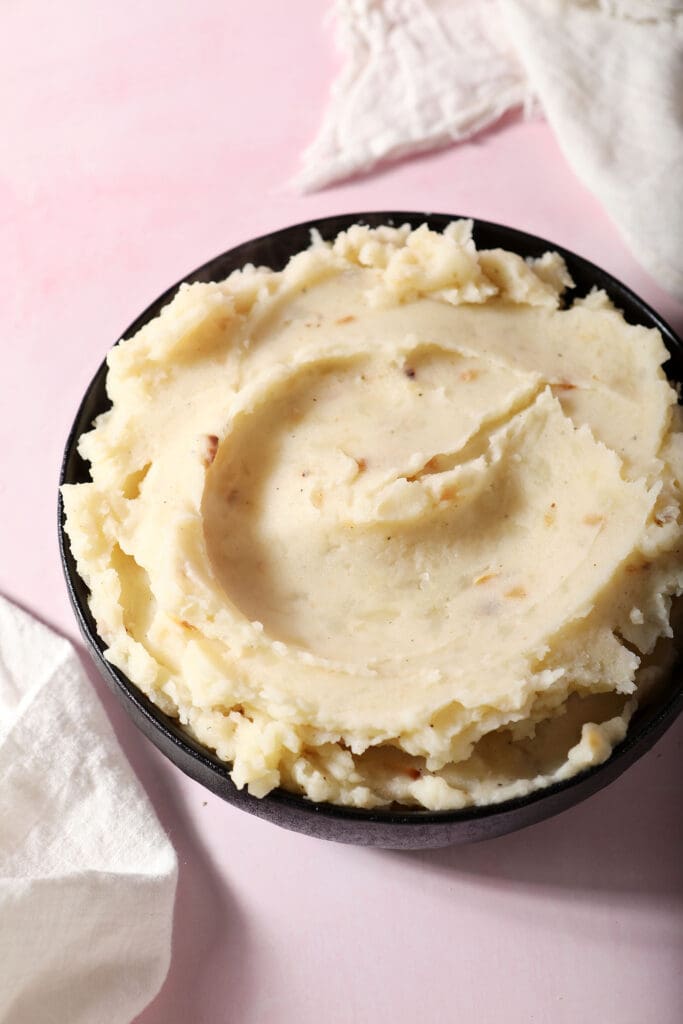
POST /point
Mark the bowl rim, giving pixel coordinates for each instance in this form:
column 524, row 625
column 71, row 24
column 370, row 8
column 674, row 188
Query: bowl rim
column 210, row 767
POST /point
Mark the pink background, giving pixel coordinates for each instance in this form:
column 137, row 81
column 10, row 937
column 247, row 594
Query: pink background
column 138, row 141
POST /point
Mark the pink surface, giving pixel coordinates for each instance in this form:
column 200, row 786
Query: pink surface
column 139, row 140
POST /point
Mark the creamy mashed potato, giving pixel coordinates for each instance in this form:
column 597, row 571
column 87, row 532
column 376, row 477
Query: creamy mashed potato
column 388, row 525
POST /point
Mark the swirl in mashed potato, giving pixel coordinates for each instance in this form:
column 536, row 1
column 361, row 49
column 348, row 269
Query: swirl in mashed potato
column 390, row 524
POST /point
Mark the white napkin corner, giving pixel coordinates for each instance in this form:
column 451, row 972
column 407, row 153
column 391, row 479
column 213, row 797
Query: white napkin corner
column 87, row 874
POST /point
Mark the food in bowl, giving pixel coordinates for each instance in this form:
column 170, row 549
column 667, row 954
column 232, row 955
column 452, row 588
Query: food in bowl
column 390, row 525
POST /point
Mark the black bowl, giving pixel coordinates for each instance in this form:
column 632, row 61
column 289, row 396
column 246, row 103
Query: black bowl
column 394, row 828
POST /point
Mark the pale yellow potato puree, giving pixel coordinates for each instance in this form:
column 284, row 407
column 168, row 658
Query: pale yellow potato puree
column 388, row 525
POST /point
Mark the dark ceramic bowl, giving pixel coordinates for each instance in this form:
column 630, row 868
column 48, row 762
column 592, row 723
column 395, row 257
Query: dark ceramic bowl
column 394, row 828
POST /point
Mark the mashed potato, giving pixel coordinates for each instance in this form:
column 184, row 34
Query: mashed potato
column 388, row 525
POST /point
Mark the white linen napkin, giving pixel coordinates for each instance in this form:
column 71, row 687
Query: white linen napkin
column 608, row 74
column 87, row 875
column 610, row 78
column 417, row 74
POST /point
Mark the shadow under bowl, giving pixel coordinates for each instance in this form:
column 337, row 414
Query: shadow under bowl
column 391, row 828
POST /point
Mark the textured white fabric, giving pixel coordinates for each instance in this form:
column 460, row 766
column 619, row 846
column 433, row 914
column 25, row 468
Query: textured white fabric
column 608, row 74
column 418, row 74
column 610, row 78
column 87, row 875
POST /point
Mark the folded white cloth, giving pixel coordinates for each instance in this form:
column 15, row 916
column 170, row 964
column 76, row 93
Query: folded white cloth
column 87, row 875
column 417, row 74
column 610, row 78
column 607, row 74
